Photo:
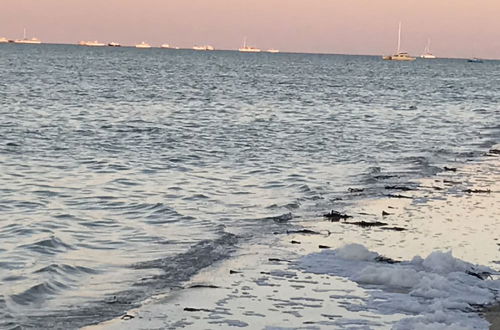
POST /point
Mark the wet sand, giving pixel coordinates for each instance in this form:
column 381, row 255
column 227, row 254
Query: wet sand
column 257, row 288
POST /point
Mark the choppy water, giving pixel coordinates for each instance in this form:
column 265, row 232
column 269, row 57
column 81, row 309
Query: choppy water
column 125, row 171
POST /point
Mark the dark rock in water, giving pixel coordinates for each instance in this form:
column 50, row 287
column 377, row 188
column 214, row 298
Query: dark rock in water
column 477, row 191
column 366, row 224
column 385, row 176
column 386, row 260
column 355, row 190
column 191, row 309
column 398, row 196
column 451, row 182
column 205, row 286
column 336, row 216
column 384, row 213
column 324, row 246
column 234, row 272
column 402, row 188
column 282, row 218
column 479, row 275
column 394, row 228
column 495, row 151
column 127, row 317
column 450, row 169
column 303, row 231
column 278, row 260
column 295, row 242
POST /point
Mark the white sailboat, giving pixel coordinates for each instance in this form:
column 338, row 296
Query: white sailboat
column 248, row 49
column 399, row 56
column 25, row 40
column 427, row 51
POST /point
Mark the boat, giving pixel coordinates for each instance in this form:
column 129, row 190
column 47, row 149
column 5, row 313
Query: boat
column 165, row 46
column 114, row 44
column 4, row 40
column 91, row 43
column 399, row 56
column 205, row 47
column 475, row 60
column 248, row 49
column 143, row 45
column 427, row 51
column 274, row 51
column 25, row 40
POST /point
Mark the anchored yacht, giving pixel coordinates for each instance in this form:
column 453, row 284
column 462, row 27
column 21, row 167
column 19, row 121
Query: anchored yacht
column 25, row 40
column 399, row 56
column 248, row 49
column 427, row 51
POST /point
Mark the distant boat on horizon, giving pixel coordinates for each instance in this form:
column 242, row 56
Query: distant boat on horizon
column 427, row 51
column 204, row 47
column 4, row 40
column 475, row 60
column 94, row 43
column 165, row 46
column 143, row 45
column 273, row 51
column 248, row 49
column 25, row 40
column 399, row 56
column 114, row 44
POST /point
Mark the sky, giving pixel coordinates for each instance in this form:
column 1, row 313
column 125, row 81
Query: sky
column 457, row 28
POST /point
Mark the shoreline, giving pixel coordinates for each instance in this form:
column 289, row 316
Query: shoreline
column 259, row 287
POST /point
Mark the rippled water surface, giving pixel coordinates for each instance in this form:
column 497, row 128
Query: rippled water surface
column 126, row 168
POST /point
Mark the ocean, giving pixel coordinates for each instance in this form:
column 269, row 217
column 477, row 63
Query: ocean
column 125, row 172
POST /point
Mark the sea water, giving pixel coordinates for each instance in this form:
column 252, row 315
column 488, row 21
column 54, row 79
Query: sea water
column 123, row 172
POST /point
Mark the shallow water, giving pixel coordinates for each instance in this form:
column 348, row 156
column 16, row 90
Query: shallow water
column 125, row 168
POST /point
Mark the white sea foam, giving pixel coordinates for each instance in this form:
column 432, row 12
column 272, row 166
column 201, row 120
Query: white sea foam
column 438, row 292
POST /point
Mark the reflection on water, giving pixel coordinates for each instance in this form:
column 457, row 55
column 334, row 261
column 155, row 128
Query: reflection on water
column 113, row 157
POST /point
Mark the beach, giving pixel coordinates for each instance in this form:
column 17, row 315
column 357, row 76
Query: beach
column 263, row 286
column 212, row 189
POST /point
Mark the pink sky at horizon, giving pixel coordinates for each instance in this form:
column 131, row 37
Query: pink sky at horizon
column 457, row 28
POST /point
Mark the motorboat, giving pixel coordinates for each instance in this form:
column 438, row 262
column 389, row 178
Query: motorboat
column 274, row 51
column 114, row 44
column 4, row 40
column 91, row 43
column 205, row 47
column 165, row 46
column 475, row 60
column 143, row 45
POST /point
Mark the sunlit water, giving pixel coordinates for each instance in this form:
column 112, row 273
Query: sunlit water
column 116, row 163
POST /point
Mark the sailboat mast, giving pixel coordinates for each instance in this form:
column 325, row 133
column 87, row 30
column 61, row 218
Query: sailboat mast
column 24, row 33
column 399, row 38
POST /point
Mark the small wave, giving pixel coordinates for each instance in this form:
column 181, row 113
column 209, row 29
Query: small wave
column 52, row 245
column 38, row 293
column 65, row 270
